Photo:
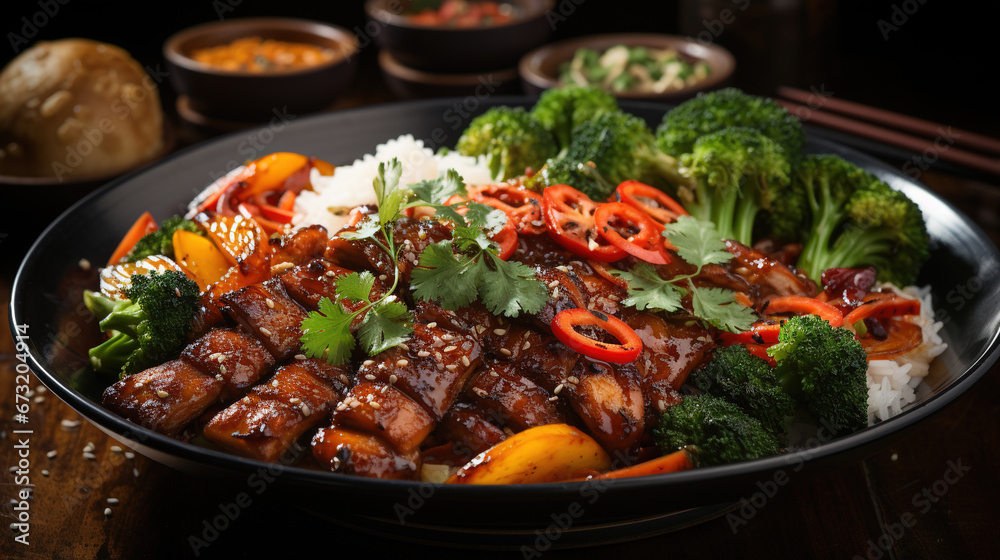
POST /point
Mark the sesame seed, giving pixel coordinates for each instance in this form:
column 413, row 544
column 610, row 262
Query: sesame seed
column 446, row 336
column 107, row 512
column 39, row 399
column 505, row 352
column 393, row 378
column 265, row 332
column 555, row 292
column 367, row 362
column 494, row 374
column 269, row 302
column 222, row 369
column 404, row 346
column 41, row 389
column 274, row 383
column 465, row 361
column 479, row 391
column 370, row 377
column 116, row 449
column 84, row 264
column 563, row 268
column 499, row 332
column 89, row 448
column 402, row 363
column 451, row 367
column 281, row 266
column 341, row 407
column 423, row 353
column 90, row 456
column 526, row 345
column 162, row 394
column 51, row 454
column 129, row 455
column 383, row 277
column 375, row 405
column 112, row 501
column 305, row 410
column 300, row 356
column 330, row 273
column 450, row 348
column 432, row 325
column 480, row 329
column 383, row 389
column 354, row 404
column 573, row 379
column 346, row 380
column 662, row 405
column 12, row 469
column 422, row 234
column 558, row 388
column 553, row 283
column 537, row 223
column 138, row 384
column 553, row 399
column 45, row 472
column 70, row 423
column 214, row 356
column 135, row 472
column 294, row 400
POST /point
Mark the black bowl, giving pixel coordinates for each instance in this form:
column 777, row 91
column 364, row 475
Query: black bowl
column 46, row 298
column 260, row 96
column 453, row 49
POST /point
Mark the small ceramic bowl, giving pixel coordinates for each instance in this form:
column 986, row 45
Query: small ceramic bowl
column 411, row 83
column 540, row 68
column 258, row 96
column 457, row 49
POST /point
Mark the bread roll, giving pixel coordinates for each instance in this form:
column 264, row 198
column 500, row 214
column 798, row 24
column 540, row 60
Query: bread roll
column 75, row 109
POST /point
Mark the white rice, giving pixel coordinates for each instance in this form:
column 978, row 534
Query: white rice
column 892, row 383
column 351, row 185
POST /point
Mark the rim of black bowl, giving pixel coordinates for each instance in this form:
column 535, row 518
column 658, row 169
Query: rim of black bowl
column 107, row 420
column 347, row 40
column 385, row 16
column 530, row 64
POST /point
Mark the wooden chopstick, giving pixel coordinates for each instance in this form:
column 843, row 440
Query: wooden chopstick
column 921, row 127
column 918, row 145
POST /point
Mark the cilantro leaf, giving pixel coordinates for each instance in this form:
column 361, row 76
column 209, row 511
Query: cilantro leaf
column 438, row 191
column 485, row 217
column 356, row 286
column 719, row 308
column 697, row 241
column 368, row 227
column 327, row 333
column 387, row 192
column 445, row 277
column 384, row 326
column 510, row 288
column 647, row 290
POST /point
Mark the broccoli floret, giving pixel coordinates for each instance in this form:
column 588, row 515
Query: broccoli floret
column 716, row 432
column 561, row 110
column 160, row 242
column 726, row 108
column 148, row 328
column 510, row 138
column 854, row 220
column 738, row 172
column 582, row 176
column 623, row 147
column 825, row 370
column 739, row 377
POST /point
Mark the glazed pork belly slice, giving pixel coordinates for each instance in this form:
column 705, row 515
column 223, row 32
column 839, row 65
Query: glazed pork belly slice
column 298, row 247
column 431, row 367
column 608, row 399
column 266, row 311
column 511, row 400
column 469, row 430
column 381, row 408
column 237, row 360
column 165, row 398
column 274, row 414
column 671, row 349
column 308, row 283
column 350, row 451
column 412, row 236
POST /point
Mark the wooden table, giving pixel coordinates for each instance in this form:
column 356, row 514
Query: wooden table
column 930, row 494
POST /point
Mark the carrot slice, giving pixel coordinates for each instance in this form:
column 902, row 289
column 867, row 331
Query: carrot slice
column 145, row 224
column 675, row 462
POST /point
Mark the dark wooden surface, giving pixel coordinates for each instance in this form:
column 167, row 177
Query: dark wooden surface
column 906, row 501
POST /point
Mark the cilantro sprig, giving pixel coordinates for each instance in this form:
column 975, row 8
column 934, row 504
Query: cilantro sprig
column 697, row 243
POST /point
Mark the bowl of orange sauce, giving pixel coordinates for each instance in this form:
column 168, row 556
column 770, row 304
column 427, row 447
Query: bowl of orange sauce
column 255, row 68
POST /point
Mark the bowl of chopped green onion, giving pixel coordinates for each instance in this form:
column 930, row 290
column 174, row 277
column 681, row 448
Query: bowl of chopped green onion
column 630, row 65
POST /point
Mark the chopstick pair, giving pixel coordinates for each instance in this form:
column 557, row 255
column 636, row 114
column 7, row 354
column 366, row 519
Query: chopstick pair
column 942, row 141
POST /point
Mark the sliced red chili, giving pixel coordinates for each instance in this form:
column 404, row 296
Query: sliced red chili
column 760, row 351
column 764, row 334
column 632, row 231
column 654, row 202
column 522, row 206
column 564, row 328
column 806, row 306
column 881, row 305
column 506, row 238
column 569, row 217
